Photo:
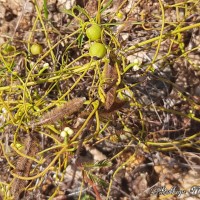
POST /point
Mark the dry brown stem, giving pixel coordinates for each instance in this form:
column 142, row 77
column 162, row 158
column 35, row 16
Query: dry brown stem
column 23, row 167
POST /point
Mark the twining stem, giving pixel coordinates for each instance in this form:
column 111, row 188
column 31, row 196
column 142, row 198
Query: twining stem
column 163, row 36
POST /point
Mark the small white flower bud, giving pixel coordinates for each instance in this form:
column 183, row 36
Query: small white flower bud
column 63, row 134
column 69, row 131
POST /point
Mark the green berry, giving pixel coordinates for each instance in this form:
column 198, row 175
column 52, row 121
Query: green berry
column 93, row 32
column 7, row 48
column 36, row 49
column 97, row 50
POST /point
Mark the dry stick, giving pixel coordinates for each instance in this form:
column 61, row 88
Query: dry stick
column 58, row 113
column 85, row 133
column 23, row 167
column 93, row 186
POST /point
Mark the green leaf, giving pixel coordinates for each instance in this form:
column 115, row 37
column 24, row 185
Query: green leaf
column 46, row 13
column 87, row 197
column 97, row 180
column 82, row 10
column 80, row 40
column 102, row 163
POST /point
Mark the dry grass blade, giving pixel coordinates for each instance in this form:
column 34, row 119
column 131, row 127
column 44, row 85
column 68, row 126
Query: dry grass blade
column 23, row 167
column 66, row 109
column 1, row 151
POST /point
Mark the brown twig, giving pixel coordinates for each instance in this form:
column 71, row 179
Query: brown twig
column 23, row 166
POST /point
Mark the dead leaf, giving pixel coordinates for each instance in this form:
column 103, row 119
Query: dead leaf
column 110, row 77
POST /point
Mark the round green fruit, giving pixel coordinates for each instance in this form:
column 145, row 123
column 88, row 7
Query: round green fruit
column 93, row 32
column 97, row 50
column 7, row 48
column 36, row 49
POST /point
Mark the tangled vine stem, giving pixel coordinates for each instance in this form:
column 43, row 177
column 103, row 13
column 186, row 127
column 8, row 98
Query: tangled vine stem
column 133, row 101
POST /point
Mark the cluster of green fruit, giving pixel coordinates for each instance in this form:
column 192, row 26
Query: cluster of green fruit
column 93, row 32
column 97, row 49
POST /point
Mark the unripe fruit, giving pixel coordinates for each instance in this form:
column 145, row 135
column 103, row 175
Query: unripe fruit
column 7, row 48
column 36, row 49
column 94, row 32
column 97, row 50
